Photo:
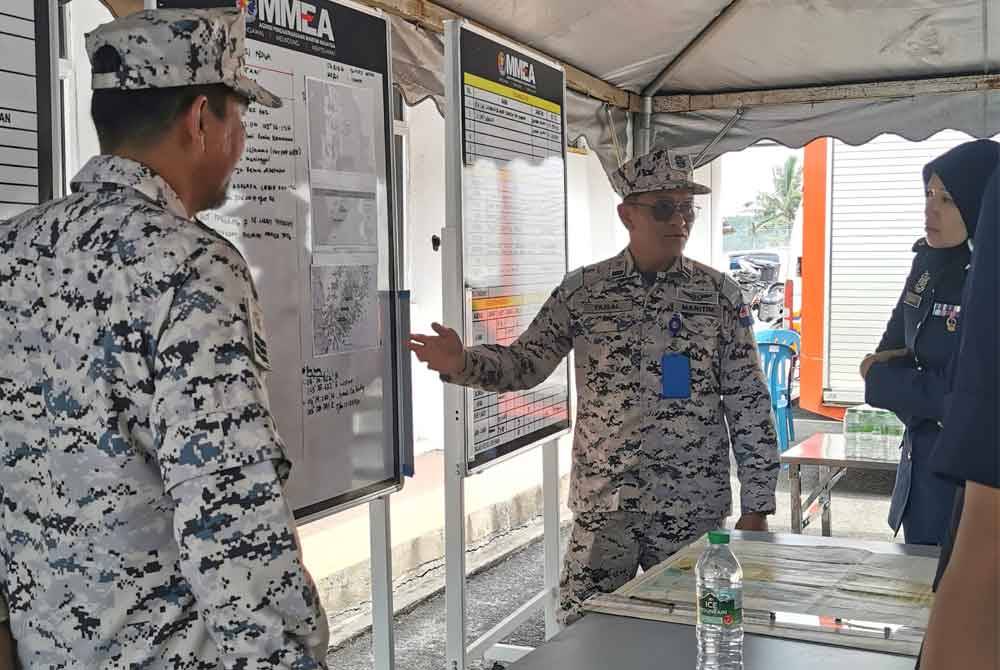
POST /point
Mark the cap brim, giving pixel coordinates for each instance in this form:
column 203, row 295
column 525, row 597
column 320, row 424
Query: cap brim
column 694, row 187
column 257, row 93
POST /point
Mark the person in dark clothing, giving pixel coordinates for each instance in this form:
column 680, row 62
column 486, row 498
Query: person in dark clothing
column 964, row 628
column 907, row 374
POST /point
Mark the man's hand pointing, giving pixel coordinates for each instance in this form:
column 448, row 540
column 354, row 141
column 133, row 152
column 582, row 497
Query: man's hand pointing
column 442, row 353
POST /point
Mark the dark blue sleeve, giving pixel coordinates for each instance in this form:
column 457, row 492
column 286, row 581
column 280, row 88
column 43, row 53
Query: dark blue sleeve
column 897, row 386
column 900, row 387
column 894, row 336
column 968, row 447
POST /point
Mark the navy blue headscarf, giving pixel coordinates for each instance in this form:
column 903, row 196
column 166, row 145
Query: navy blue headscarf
column 964, row 171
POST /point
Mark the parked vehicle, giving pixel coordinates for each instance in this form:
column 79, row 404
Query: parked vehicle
column 757, row 276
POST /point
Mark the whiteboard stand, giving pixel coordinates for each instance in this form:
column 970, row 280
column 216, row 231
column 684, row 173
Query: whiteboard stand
column 487, row 646
column 457, row 405
column 383, row 637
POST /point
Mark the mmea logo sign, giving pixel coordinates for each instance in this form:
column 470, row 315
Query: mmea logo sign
column 302, row 17
column 516, row 68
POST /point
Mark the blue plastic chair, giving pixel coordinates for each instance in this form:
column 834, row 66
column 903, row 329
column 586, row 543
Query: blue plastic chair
column 779, row 352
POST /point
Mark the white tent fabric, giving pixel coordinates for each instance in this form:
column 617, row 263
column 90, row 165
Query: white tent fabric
column 417, row 63
column 756, row 45
column 720, row 46
column 854, row 122
column 418, row 71
column 762, row 44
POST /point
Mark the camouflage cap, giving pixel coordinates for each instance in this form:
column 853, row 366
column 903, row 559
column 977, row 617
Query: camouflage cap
column 659, row 170
column 163, row 48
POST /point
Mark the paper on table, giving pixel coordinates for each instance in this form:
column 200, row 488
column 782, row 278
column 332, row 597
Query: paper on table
column 826, row 582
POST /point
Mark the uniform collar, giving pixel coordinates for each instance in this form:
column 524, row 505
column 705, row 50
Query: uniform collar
column 104, row 170
column 623, row 265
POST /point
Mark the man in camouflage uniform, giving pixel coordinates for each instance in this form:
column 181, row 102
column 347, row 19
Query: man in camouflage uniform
column 665, row 358
column 144, row 523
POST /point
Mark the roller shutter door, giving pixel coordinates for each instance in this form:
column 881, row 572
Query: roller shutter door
column 876, row 214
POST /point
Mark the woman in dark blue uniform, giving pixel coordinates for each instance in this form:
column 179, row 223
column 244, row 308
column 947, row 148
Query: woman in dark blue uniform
column 907, row 373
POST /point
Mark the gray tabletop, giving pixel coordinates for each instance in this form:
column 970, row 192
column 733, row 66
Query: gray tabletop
column 836, row 450
column 603, row 642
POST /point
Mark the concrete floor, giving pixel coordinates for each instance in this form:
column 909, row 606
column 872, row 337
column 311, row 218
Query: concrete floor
column 860, row 506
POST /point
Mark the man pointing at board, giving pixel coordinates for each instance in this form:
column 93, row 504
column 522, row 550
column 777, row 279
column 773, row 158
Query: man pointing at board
column 143, row 519
column 665, row 359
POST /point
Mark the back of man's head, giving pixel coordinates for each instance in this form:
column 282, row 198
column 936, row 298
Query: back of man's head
column 136, row 120
column 150, row 66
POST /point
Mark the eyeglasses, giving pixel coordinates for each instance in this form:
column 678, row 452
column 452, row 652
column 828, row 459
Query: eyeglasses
column 664, row 210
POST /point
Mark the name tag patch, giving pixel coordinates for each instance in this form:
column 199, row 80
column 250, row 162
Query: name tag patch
column 698, row 308
column 912, row 299
column 607, row 307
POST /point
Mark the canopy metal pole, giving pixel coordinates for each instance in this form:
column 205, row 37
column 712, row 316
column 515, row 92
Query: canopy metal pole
column 718, row 136
column 619, row 156
column 644, row 136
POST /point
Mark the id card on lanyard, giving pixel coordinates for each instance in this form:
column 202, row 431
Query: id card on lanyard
column 675, row 369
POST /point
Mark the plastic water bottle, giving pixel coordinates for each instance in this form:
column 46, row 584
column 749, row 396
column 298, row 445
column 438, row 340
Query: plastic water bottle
column 720, row 606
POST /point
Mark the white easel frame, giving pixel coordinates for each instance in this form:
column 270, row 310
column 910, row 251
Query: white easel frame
column 487, row 647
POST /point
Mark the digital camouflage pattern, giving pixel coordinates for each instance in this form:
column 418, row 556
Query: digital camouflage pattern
column 144, row 523
column 634, row 451
column 605, row 548
column 659, row 170
column 163, row 48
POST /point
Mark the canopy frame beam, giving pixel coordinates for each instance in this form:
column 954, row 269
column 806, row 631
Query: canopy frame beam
column 710, row 28
column 644, row 139
column 876, row 90
column 431, row 16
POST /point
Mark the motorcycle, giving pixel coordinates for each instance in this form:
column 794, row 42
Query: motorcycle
column 761, row 291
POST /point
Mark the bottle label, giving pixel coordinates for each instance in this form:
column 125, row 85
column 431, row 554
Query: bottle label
column 723, row 607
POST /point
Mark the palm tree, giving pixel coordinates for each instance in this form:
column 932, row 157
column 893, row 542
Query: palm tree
column 776, row 210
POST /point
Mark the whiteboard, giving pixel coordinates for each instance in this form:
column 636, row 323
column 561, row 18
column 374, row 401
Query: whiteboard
column 26, row 146
column 311, row 209
column 508, row 217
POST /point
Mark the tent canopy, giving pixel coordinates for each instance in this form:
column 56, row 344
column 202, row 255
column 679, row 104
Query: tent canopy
column 757, row 44
column 703, row 59
column 728, row 73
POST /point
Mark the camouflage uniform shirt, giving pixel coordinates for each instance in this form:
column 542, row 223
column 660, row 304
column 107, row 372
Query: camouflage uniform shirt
column 634, row 450
column 144, row 524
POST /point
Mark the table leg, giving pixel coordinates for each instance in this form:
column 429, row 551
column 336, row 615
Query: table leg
column 795, row 484
column 827, row 500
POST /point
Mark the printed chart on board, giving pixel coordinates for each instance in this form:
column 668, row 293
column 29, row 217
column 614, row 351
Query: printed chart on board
column 309, row 209
column 513, row 228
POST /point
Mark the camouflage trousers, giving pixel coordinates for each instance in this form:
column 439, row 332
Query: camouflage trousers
column 606, row 549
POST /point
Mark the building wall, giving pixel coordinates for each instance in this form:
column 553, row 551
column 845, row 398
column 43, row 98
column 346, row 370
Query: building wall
column 85, row 16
